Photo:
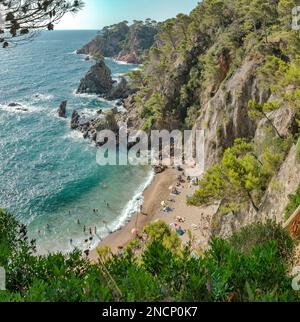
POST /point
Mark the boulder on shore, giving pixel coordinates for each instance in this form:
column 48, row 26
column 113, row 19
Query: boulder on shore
column 62, row 110
column 98, row 80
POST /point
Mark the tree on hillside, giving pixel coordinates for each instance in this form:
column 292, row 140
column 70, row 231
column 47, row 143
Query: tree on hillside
column 259, row 15
column 183, row 22
column 238, row 179
column 260, row 111
column 284, row 10
column 21, row 19
column 167, row 33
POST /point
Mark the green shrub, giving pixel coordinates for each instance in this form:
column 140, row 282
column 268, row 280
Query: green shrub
column 298, row 150
column 294, row 203
column 259, row 233
column 253, row 265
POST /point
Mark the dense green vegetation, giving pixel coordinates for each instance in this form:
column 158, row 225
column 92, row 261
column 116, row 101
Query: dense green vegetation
column 252, row 265
column 242, row 175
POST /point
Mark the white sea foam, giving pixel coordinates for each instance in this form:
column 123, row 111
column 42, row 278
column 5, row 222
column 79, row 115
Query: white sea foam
column 93, row 97
column 75, row 136
column 22, row 108
column 119, row 75
column 120, row 62
column 133, row 206
column 89, row 96
column 42, row 97
column 72, row 53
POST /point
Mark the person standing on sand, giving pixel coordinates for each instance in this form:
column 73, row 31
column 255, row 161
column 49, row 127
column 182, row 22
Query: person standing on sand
column 84, row 229
column 142, row 211
column 91, row 233
column 78, row 222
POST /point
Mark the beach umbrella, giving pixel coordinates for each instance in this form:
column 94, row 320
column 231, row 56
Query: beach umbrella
column 163, row 203
column 134, row 231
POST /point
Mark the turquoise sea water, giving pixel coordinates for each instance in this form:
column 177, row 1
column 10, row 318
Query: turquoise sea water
column 49, row 177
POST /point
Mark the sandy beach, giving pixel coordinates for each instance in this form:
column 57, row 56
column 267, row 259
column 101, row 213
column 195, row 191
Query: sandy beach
column 195, row 219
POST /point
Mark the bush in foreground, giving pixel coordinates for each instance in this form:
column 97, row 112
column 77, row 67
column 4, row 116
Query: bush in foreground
column 253, row 265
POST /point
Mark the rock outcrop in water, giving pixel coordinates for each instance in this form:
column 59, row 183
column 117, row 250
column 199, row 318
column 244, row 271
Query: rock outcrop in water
column 75, row 120
column 98, row 80
column 90, row 126
column 62, row 110
column 14, row 104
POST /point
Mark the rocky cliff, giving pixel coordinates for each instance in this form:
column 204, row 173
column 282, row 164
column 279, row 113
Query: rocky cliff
column 128, row 43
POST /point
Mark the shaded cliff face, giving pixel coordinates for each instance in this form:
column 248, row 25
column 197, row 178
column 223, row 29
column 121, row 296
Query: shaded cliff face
column 123, row 42
column 225, row 116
